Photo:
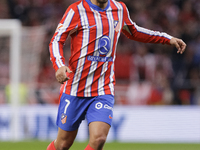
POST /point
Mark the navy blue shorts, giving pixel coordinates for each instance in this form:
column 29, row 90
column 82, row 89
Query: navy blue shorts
column 72, row 110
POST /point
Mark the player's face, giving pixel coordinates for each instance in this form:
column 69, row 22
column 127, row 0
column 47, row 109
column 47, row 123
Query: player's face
column 102, row 1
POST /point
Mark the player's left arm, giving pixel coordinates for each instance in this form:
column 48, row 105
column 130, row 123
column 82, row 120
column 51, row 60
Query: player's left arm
column 137, row 33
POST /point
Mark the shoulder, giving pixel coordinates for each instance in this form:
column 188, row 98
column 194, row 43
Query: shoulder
column 74, row 6
column 119, row 4
column 123, row 4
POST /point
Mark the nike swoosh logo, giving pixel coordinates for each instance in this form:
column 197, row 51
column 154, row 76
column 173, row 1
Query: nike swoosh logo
column 92, row 26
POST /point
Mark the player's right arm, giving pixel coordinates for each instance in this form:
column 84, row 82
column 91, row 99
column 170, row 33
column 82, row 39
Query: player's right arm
column 61, row 74
column 67, row 24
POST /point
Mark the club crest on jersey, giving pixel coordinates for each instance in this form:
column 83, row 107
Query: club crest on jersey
column 104, row 45
column 63, row 118
column 116, row 25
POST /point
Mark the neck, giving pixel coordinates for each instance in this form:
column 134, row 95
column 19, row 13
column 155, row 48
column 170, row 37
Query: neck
column 101, row 3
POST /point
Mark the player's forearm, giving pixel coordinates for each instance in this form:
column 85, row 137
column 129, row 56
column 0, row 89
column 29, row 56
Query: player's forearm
column 148, row 36
column 56, row 55
column 154, row 37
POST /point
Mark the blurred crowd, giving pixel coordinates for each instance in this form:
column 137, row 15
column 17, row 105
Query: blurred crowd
column 147, row 74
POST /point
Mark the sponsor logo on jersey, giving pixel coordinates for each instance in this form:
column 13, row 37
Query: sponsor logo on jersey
column 92, row 26
column 110, row 117
column 104, row 45
column 101, row 59
column 63, row 118
column 103, row 48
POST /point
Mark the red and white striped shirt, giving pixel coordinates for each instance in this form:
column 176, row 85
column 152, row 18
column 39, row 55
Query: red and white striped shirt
column 94, row 34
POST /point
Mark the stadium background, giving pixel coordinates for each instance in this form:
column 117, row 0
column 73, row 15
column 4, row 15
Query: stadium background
column 147, row 74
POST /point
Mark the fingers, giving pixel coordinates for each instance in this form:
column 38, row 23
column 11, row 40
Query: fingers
column 178, row 47
column 61, row 74
column 61, row 78
column 68, row 70
column 181, row 46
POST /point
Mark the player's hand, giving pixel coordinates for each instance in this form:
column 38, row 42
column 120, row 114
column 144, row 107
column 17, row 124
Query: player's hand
column 179, row 44
column 61, row 74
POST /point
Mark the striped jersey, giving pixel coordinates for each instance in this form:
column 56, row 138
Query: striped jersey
column 94, row 35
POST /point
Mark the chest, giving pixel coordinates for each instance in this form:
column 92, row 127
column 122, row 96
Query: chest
column 100, row 22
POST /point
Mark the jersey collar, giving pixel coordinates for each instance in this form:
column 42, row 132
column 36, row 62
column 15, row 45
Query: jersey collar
column 95, row 7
